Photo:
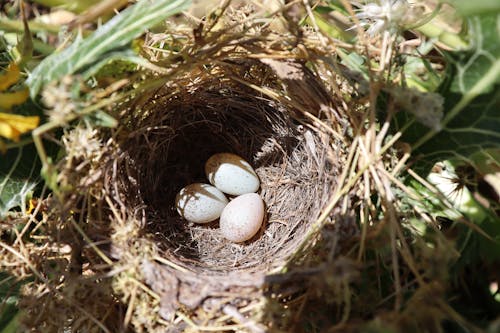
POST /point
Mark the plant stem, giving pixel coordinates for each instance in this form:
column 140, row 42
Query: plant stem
column 447, row 38
column 77, row 6
column 41, row 47
column 7, row 24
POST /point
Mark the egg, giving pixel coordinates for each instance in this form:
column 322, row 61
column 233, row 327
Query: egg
column 242, row 217
column 231, row 174
column 200, row 203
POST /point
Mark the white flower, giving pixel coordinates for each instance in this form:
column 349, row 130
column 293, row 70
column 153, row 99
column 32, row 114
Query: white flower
column 388, row 15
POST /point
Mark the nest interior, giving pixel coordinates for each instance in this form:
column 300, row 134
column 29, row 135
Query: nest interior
column 179, row 126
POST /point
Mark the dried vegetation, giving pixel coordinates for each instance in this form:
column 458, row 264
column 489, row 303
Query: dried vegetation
column 109, row 253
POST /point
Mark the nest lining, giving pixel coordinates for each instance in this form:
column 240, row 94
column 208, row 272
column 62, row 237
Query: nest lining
column 182, row 125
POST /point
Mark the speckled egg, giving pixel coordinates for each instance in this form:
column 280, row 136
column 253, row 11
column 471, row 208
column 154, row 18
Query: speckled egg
column 242, row 217
column 231, row 174
column 200, row 203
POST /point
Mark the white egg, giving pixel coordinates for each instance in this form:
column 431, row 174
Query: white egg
column 200, row 203
column 242, row 217
column 231, row 174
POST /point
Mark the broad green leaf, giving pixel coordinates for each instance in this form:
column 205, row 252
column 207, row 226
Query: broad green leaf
column 19, row 171
column 112, row 36
column 475, row 248
column 473, row 245
column 486, row 161
column 471, row 131
column 481, row 69
column 471, row 94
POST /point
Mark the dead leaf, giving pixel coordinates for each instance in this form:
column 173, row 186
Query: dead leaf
column 8, row 100
column 10, row 76
column 12, row 126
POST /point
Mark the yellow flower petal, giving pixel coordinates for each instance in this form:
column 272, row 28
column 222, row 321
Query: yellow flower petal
column 10, row 77
column 32, row 205
column 8, row 100
column 12, row 126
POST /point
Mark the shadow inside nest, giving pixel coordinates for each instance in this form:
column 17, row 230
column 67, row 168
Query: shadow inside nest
column 172, row 155
column 170, row 145
column 166, row 138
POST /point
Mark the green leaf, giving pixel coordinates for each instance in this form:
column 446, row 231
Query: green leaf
column 481, row 69
column 102, row 119
column 12, row 326
column 125, row 55
column 467, row 7
column 486, row 161
column 9, row 293
column 471, row 131
column 19, row 171
column 114, row 35
column 475, row 248
column 414, row 65
column 471, row 101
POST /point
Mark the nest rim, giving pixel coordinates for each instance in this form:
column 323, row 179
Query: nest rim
column 298, row 155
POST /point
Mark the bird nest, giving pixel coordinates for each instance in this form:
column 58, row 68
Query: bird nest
column 275, row 112
column 169, row 147
column 169, row 136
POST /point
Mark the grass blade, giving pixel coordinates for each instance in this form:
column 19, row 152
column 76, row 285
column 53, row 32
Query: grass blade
column 115, row 34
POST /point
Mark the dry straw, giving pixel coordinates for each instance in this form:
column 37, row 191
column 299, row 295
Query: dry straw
column 229, row 102
column 240, row 84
